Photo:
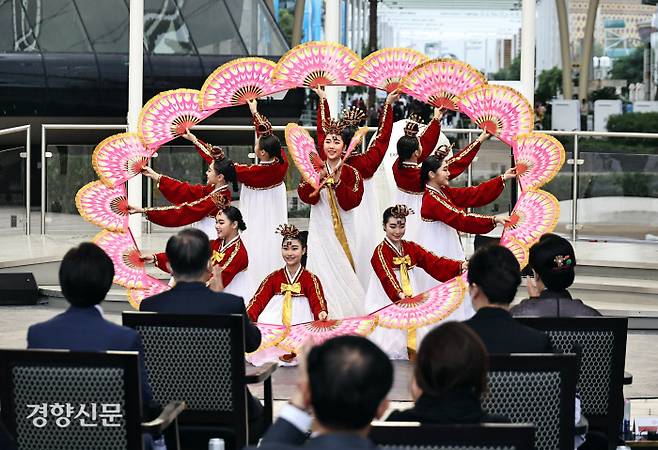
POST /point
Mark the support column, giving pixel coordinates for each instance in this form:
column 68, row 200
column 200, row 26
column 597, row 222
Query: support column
column 586, row 51
column 528, row 50
column 565, row 50
column 372, row 41
column 135, row 88
column 298, row 20
column 332, row 33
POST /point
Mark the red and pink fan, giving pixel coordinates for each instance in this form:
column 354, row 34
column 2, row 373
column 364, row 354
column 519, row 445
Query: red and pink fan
column 314, row 64
column 129, row 269
column 499, row 110
column 424, row 309
column 104, row 206
column 303, row 151
column 319, row 331
column 519, row 250
column 236, row 82
column 539, row 157
column 271, row 335
column 167, row 115
column 152, row 287
column 119, row 158
column 535, row 213
column 440, row 82
column 385, row 68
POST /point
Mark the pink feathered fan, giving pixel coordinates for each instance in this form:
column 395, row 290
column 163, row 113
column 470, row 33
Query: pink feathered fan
column 539, row 157
column 104, row 206
column 440, row 82
column 519, row 250
column 499, row 110
column 236, row 82
column 319, row 331
column 152, row 286
column 425, row 309
column 535, row 214
column 167, row 115
column 385, row 68
column 119, row 158
column 129, row 269
column 302, row 149
column 314, row 64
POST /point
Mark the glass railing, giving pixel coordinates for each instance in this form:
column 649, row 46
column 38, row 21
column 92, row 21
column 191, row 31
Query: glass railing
column 15, row 186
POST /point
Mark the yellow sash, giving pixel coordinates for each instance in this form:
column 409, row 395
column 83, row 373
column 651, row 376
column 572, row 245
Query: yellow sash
column 404, row 262
column 288, row 290
column 338, row 222
column 216, row 257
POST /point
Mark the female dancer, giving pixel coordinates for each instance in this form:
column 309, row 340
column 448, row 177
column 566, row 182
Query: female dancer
column 394, row 278
column 367, row 164
column 194, row 202
column 292, row 294
column 412, row 151
column 263, row 194
column 228, row 253
column 332, row 226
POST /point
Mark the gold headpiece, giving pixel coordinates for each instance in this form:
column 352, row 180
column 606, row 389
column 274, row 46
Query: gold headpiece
column 333, row 126
column 288, row 231
column 216, row 152
column 401, row 211
column 412, row 126
column 352, row 117
column 263, row 126
column 443, row 150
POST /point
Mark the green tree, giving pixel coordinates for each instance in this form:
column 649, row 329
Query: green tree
column 286, row 19
column 513, row 72
column 630, row 67
column 549, row 83
column 606, row 93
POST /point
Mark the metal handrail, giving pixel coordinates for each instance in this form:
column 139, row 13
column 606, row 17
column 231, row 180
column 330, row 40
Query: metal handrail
column 28, row 164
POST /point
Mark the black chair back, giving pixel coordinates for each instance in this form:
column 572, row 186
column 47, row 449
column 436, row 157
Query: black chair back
column 537, row 389
column 200, row 360
column 484, row 436
column 58, row 399
column 601, row 344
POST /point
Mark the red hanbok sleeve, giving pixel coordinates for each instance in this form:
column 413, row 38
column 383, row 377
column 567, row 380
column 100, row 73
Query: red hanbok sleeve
column 304, row 190
column 234, row 263
column 349, row 190
column 262, row 297
column 368, row 162
column 177, row 192
column 429, row 138
column 438, row 267
column 315, row 295
column 385, row 273
column 441, row 209
column 459, row 162
column 185, row 213
column 203, row 149
column 474, row 196
column 162, row 262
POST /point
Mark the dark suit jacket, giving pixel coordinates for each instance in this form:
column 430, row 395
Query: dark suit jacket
column 457, row 406
column 502, row 334
column 85, row 329
column 282, row 435
column 553, row 304
column 196, row 298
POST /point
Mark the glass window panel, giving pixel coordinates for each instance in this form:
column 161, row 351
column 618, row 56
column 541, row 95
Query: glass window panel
column 58, row 27
column 213, row 31
column 16, row 33
column 107, row 23
column 257, row 28
column 165, row 31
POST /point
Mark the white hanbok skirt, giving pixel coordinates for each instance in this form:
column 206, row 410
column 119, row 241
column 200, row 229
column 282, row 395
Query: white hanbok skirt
column 369, row 230
column 413, row 201
column 392, row 341
column 327, row 260
column 207, row 225
column 242, row 286
column 263, row 211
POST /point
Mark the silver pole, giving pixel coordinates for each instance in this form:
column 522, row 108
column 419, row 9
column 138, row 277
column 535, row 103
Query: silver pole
column 43, row 179
column 574, row 192
column 469, row 169
column 28, row 179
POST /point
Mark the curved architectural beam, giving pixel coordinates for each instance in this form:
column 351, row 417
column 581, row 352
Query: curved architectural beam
column 565, row 50
column 586, row 52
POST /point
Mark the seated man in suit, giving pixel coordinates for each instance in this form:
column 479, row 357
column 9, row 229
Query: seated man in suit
column 85, row 276
column 189, row 257
column 344, row 383
column 493, row 278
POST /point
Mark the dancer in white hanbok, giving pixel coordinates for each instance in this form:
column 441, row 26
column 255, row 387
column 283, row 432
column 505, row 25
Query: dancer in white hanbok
column 395, row 265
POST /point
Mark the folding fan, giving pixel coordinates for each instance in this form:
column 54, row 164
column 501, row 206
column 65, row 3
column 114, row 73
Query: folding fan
column 519, row 250
column 499, row 110
column 539, row 157
column 319, row 331
column 271, row 335
column 167, row 115
column 535, row 213
column 425, row 309
column 104, row 206
column 441, row 81
column 385, row 68
column 302, row 149
column 236, row 82
column 153, row 286
column 128, row 267
column 314, row 64
column 119, row 158
column 355, row 142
